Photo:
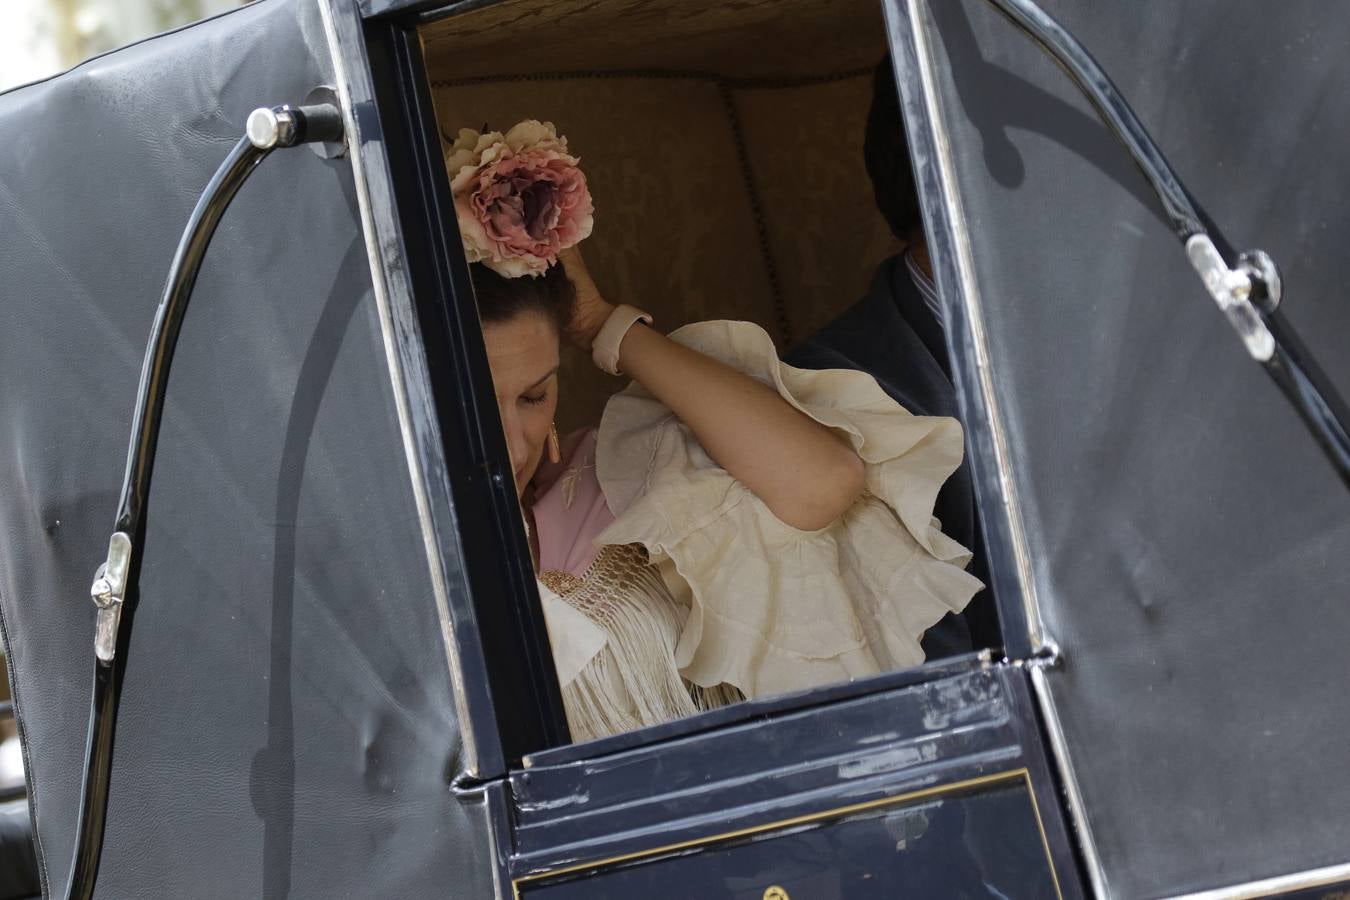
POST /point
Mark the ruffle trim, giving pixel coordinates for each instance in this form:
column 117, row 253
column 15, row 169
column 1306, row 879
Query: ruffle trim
column 774, row 608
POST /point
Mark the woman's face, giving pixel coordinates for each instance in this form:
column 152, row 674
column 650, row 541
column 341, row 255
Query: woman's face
column 523, row 355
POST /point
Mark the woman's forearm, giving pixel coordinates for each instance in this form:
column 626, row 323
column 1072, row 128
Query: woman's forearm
column 805, row 473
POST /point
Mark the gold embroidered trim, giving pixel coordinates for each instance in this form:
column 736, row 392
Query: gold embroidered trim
column 559, row 582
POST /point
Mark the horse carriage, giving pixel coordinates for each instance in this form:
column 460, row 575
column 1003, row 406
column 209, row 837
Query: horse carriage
column 320, row 665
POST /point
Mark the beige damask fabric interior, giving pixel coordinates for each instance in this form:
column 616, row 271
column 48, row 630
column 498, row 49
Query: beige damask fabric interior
column 717, row 196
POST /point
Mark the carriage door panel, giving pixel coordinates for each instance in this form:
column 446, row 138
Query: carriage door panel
column 921, row 848
column 1163, row 520
column 923, row 783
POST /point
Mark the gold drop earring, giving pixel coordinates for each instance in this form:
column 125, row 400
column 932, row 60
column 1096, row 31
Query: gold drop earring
column 554, row 449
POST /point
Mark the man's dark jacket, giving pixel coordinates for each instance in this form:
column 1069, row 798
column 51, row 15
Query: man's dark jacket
column 892, row 335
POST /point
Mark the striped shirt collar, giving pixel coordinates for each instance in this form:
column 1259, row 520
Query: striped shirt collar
column 927, row 289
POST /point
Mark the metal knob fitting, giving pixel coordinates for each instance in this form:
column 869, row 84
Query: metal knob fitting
column 108, row 593
column 268, row 128
column 288, row 126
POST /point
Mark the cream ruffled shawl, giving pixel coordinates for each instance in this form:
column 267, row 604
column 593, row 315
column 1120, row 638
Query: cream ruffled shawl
column 722, row 598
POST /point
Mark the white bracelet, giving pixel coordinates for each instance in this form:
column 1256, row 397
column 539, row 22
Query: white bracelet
column 605, row 346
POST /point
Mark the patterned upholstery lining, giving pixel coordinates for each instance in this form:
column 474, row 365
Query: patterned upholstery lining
column 714, row 198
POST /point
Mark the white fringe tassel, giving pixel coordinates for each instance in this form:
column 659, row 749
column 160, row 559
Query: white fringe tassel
column 633, row 682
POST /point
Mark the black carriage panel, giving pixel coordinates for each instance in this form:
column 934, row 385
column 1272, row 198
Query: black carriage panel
column 288, row 724
column 1170, row 525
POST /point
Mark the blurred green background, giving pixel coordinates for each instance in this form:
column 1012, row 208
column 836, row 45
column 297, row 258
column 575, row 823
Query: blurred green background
column 41, row 37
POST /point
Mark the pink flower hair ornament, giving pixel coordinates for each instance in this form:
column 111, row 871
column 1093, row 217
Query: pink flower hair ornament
column 520, row 197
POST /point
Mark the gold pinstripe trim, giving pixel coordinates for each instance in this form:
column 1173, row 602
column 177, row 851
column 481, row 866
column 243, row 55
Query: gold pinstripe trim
column 958, row 787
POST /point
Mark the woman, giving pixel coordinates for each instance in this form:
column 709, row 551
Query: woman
column 735, row 527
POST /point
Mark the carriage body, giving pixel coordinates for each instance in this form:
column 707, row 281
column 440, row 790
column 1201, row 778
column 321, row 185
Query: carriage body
column 339, row 682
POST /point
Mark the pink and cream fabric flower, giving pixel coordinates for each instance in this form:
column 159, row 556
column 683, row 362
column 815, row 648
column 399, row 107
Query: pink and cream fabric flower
column 520, row 197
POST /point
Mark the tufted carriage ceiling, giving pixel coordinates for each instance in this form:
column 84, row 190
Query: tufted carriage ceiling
column 735, row 39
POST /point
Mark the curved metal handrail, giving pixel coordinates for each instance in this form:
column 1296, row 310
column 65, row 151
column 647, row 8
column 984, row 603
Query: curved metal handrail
column 115, row 583
column 1247, row 288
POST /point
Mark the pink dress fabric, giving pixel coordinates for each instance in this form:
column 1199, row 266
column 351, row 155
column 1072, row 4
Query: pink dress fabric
column 569, row 507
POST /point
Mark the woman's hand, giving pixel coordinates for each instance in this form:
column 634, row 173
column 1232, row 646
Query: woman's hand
column 591, row 310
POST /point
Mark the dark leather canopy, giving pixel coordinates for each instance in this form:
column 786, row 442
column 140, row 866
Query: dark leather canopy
column 18, row 862
column 287, row 723
column 1188, row 542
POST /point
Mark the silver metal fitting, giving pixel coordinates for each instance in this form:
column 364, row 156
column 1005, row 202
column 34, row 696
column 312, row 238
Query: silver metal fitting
column 1047, row 655
column 1232, row 291
column 1260, row 268
column 268, row 128
column 108, row 591
column 322, row 96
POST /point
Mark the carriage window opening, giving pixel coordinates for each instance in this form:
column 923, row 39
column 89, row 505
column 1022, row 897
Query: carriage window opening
column 729, row 517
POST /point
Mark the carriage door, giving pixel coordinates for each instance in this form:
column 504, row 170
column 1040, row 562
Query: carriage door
column 1177, row 541
column 928, row 782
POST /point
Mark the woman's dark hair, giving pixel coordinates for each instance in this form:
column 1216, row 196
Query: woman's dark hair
column 886, row 154
column 501, row 299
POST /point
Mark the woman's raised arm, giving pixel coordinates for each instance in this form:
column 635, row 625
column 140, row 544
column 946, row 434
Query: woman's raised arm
column 805, row 473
